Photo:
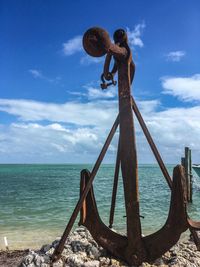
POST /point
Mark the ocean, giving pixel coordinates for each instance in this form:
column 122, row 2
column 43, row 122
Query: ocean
column 36, row 201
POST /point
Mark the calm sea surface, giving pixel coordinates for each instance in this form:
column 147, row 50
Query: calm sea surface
column 36, row 201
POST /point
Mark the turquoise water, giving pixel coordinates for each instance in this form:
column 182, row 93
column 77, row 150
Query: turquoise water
column 197, row 170
column 36, row 201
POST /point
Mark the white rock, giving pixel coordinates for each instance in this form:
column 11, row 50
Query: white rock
column 58, row 264
column 94, row 252
column 145, row 264
column 74, row 260
column 114, row 262
column 28, row 259
column 46, row 258
column 81, row 250
column 31, row 265
column 51, row 251
column 38, row 260
column 104, row 261
column 94, row 263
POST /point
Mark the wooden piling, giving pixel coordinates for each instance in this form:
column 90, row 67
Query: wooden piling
column 190, row 174
column 187, row 163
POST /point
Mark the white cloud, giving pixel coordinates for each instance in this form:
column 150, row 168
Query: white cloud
column 88, row 60
column 185, row 88
column 30, row 141
column 94, row 93
column 69, row 112
column 51, row 143
column 175, row 56
column 72, row 46
column 149, row 106
column 134, row 36
column 175, row 128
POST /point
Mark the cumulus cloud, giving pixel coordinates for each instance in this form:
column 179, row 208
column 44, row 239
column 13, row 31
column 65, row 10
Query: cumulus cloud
column 70, row 112
column 94, row 93
column 178, row 127
column 175, row 56
column 148, row 106
column 134, row 36
column 49, row 143
column 72, row 46
column 185, row 88
column 88, row 60
column 76, row 131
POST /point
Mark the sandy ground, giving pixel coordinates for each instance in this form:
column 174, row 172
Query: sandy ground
column 12, row 258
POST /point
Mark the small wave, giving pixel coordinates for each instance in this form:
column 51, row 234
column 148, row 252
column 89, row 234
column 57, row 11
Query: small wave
column 196, row 183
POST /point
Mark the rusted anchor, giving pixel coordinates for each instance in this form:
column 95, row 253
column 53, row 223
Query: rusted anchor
column 132, row 248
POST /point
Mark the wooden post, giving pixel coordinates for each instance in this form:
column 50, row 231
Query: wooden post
column 190, row 174
column 183, row 161
column 187, row 172
column 187, row 163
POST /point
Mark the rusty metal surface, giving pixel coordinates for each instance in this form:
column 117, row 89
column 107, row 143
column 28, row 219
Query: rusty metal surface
column 156, row 244
column 161, row 241
column 96, row 42
column 132, row 248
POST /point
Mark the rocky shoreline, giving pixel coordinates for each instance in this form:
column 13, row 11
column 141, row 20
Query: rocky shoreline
column 82, row 251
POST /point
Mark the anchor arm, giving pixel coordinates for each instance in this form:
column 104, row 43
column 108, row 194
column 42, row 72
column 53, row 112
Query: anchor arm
column 158, row 243
column 194, row 224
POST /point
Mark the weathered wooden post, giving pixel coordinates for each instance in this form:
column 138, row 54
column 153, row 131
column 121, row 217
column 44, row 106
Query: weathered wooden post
column 187, row 163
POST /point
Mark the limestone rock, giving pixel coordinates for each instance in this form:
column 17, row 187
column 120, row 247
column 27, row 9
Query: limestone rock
column 81, row 250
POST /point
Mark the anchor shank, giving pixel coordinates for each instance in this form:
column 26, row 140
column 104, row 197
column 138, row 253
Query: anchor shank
column 128, row 157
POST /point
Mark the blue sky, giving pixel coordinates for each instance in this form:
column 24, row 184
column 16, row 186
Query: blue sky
column 51, row 106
